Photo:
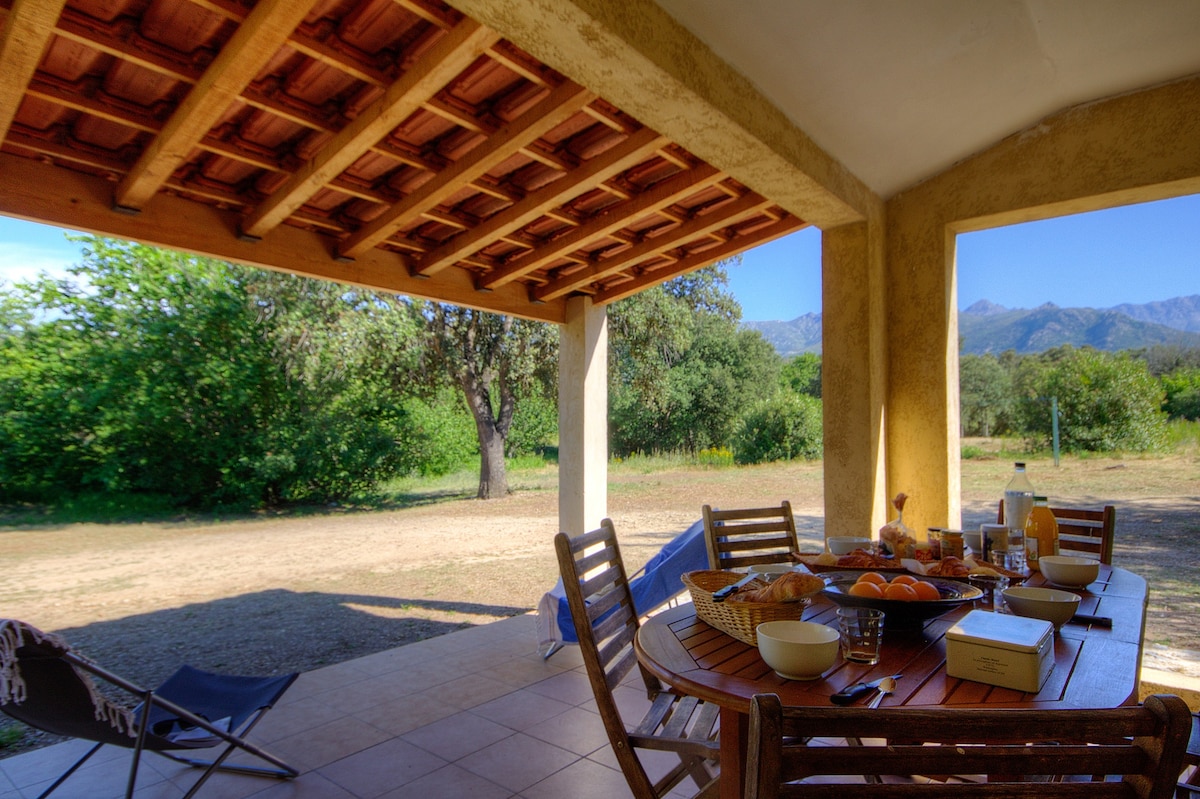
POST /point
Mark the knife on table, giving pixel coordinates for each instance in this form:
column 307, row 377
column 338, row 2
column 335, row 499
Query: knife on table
column 722, row 593
column 1083, row 618
column 852, row 692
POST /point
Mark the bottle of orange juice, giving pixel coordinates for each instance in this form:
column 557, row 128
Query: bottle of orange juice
column 1041, row 532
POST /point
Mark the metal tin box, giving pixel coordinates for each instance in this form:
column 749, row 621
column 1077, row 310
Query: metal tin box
column 998, row 649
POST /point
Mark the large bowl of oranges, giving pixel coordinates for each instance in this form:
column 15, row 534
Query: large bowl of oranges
column 907, row 601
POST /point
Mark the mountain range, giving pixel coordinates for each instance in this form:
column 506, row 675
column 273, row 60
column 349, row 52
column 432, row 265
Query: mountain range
column 987, row 327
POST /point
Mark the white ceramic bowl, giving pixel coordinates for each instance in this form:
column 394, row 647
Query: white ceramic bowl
column 1069, row 571
column 797, row 650
column 845, row 544
column 770, row 571
column 1050, row 604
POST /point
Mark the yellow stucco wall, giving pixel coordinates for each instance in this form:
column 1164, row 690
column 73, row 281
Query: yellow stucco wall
column 1133, row 148
column 854, row 377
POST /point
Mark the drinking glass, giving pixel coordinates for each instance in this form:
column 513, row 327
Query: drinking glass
column 862, row 633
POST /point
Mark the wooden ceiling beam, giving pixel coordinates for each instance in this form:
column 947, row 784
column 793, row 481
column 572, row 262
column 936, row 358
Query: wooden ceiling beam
column 559, row 106
column 588, row 175
column 663, row 193
column 77, row 201
column 26, row 30
column 453, row 53
column 731, row 247
column 694, row 228
column 252, row 45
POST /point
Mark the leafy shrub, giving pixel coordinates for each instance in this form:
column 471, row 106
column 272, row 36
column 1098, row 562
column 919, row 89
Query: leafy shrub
column 783, row 427
column 1182, row 388
column 1106, row 402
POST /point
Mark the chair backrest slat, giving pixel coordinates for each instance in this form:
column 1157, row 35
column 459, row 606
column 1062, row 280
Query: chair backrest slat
column 1083, row 531
column 740, row 537
column 605, row 625
column 1143, row 745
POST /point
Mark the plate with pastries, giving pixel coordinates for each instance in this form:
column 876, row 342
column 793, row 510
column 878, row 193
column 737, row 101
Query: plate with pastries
column 953, row 568
column 858, row 560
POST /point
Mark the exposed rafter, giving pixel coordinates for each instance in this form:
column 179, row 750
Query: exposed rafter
column 437, row 67
column 557, row 108
column 400, row 143
column 252, row 45
column 23, row 37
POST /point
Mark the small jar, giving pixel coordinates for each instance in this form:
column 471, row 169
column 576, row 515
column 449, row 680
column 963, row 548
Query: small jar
column 952, row 544
column 934, row 534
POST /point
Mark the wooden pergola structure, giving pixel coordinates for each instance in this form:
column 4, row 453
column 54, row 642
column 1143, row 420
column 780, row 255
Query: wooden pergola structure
column 543, row 158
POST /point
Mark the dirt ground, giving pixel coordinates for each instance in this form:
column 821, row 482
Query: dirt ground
column 296, row 593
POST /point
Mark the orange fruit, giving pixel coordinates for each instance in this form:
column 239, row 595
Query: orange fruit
column 904, row 579
column 866, row 588
column 900, row 591
column 872, row 577
column 926, row 590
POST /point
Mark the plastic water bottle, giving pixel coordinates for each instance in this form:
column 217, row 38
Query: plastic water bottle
column 1018, row 503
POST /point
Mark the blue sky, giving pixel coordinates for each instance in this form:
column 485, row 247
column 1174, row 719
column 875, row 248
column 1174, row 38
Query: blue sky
column 1134, row 254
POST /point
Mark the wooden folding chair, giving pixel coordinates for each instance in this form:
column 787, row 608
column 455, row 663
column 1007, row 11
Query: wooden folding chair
column 1087, row 532
column 749, row 536
column 1002, row 749
column 606, row 621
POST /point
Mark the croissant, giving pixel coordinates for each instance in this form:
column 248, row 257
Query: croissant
column 790, row 586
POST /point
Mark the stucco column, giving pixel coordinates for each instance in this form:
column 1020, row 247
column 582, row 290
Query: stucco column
column 853, row 377
column 922, row 398
column 583, row 417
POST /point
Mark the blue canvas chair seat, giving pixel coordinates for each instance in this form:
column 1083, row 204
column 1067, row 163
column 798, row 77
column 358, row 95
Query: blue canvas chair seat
column 658, row 582
column 46, row 685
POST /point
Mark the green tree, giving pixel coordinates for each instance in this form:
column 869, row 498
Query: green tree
column 802, row 374
column 215, row 384
column 783, row 427
column 682, row 371
column 1182, row 389
column 492, row 359
column 1106, row 402
column 985, row 395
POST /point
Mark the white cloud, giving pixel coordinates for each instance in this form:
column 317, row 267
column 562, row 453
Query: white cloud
column 25, row 262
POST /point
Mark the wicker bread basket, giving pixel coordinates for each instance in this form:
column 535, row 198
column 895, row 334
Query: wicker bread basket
column 739, row 619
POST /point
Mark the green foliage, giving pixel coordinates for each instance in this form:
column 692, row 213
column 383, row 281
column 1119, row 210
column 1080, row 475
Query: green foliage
column 1106, row 402
column 1182, row 389
column 802, row 374
column 218, row 385
column 1183, row 436
column 682, row 373
column 782, row 427
column 985, row 395
column 534, row 425
column 440, row 435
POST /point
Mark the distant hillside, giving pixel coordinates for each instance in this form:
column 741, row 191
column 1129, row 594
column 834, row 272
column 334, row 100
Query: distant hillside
column 1049, row 326
column 1181, row 313
column 801, row 335
column 987, row 327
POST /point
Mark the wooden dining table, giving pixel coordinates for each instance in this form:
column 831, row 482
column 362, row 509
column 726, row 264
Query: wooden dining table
column 1094, row 666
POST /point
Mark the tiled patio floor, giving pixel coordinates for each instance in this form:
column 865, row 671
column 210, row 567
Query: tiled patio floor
column 475, row 714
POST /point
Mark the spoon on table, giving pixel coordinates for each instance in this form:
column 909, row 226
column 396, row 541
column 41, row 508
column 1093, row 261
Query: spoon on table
column 886, row 686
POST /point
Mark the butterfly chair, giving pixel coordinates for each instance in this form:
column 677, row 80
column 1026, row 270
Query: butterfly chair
column 605, row 622
column 1087, row 532
column 46, row 685
column 1006, row 748
column 742, row 537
